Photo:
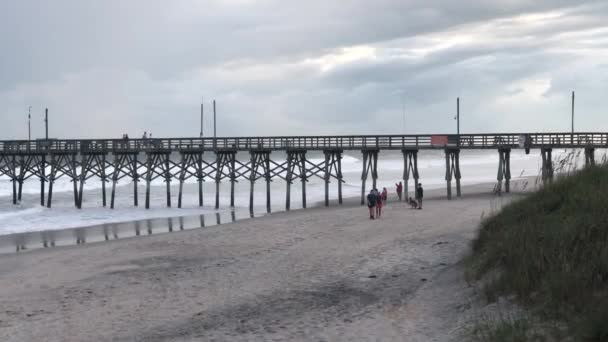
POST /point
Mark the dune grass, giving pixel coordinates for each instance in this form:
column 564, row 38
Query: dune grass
column 550, row 252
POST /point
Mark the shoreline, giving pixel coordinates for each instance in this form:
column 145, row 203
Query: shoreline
column 107, row 232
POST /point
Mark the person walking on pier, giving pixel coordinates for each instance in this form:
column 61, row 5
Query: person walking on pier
column 145, row 136
column 419, row 195
column 399, row 190
column 371, row 203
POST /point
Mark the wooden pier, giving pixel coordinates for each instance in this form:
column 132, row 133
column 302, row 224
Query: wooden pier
column 180, row 159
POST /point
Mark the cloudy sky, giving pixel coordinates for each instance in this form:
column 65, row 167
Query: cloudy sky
column 104, row 67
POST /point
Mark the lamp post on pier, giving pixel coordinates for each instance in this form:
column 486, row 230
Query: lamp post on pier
column 29, row 123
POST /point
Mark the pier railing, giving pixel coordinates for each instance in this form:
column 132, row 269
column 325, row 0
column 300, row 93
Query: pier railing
column 344, row 142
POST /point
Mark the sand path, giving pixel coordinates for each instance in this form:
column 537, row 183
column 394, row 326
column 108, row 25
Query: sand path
column 324, row 274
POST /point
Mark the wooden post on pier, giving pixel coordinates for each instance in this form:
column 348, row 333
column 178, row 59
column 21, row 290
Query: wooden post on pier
column 410, row 167
column 589, row 156
column 504, row 169
column 232, row 178
column 547, row 167
column 326, row 178
column 168, row 178
column 370, row 164
column 74, row 175
column 452, row 170
column 14, row 179
column 182, row 176
column 456, row 158
column 22, row 170
column 135, row 179
column 296, row 168
column 149, row 169
column 103, row 180
column 83, row 172
column 199, row 176
column 51, row 180
column 339, row 176
column 225, row 159
column 260, row 158
column 304, row 175
column 42, row 178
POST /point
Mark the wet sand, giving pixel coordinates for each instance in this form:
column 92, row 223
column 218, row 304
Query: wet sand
column 322, row 274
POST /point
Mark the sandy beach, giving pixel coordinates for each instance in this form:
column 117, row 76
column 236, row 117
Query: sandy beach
column 322, row 274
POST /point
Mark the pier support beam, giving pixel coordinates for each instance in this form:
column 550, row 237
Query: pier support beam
column 42, row 170
column 504, row 169
column 547, row 167
column 260, row 159
column 63, row 164
column 93, row 164
column 125, row 165
column 589, row 156
column 410, row 167
column 333, row 168
column 226, row 160
column 452, row 169
column 296, row 168
column 158, row 164
column 189, row 161
column 370, row 164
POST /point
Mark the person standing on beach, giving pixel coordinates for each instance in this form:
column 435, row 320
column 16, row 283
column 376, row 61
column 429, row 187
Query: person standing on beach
column 384, row 196
column 371, row 203
column 378, row 203
column 419, row 195
column 399, row 190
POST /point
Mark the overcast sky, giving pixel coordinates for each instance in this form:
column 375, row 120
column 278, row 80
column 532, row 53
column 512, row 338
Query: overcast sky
column 277, row 67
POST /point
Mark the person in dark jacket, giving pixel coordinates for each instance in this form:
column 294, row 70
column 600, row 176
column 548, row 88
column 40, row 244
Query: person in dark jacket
column 371, row 203
column 419, row 195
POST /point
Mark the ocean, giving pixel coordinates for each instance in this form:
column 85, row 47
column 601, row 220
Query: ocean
column 476, row 167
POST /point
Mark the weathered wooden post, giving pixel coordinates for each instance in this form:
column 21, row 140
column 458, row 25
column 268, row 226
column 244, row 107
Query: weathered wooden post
column 504, row 169
column 547, row 166
column 149, row 169
column 326, row 178
column 103, row 179
column 83, row 172
column 117, row 166
column 288, row 180
column 452, row 169
column 135, row 178
column 456, row 158
column 410, row 167
column 232, row 178
column 200, row 177
column 74, row 164
column 168, row 178
column 182, row 176
column 14, row 179
column 589, row 156
column 448, row 174
column 22, row 170
column 304, row 175
column 260, row 158
column 51, row 180
column 42, row 178
column 339, row 176
column 370, row 164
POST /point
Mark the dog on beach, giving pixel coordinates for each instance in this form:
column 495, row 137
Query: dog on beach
column 412, row 202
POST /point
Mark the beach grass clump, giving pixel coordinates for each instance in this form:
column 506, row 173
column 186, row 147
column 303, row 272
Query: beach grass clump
column 549, row 251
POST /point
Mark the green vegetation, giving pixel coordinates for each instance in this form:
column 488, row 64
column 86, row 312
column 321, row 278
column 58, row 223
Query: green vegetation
column 550, row 251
